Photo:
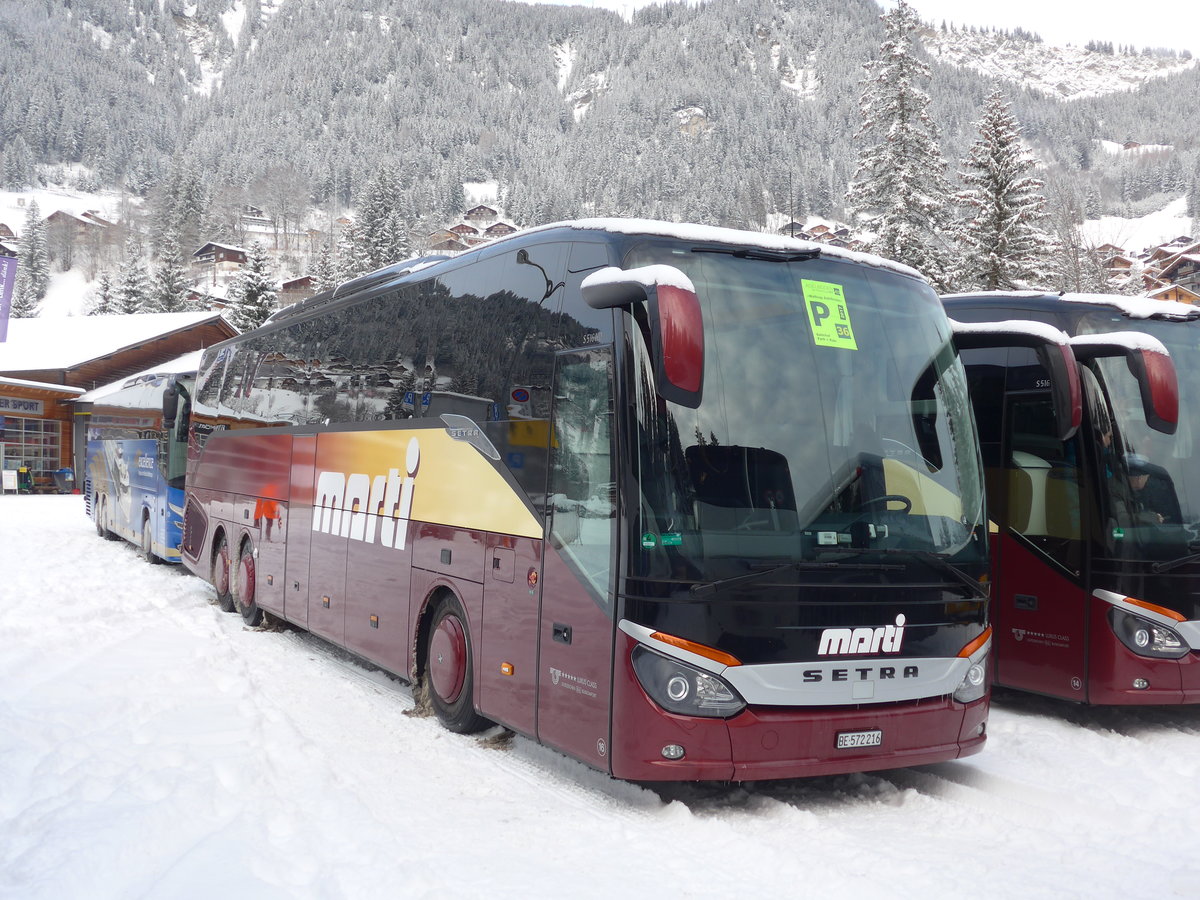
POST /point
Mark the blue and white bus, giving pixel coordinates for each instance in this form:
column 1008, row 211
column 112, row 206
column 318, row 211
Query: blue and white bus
column 134, row 467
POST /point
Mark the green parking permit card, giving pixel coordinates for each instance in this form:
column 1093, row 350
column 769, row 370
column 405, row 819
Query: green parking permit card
column 828, row 314
column 671, row 539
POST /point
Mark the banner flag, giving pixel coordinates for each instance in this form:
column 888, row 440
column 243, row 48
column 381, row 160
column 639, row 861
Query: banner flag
column 8, row 277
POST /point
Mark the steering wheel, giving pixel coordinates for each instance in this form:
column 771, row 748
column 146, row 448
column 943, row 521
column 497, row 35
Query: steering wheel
column 887, row 498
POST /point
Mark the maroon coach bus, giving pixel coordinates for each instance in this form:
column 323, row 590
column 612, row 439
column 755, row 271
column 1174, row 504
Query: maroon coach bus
column 1096, row 593
column 684, row 503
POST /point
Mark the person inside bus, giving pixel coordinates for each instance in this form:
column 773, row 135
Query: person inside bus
column 1153, row 491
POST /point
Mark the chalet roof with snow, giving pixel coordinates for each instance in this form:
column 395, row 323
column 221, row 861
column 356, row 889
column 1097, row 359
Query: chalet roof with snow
column 213, row 247
column 1177, row 293
column 87, row 350
column 63, row 217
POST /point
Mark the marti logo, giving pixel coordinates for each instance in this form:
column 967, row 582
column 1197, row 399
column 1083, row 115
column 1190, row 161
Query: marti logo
column 343, row 503
column 846, row 641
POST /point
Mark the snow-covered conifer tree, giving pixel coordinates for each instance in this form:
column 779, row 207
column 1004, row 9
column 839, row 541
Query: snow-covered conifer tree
column 103, row 300
column 24, row 304
column 132, row 290
column 34, row 253
column 382, row 232
column 899, row 190
column 1001, row 241
column 323, row 272
column 169, row 290
column 252, row 296
column 351, row 257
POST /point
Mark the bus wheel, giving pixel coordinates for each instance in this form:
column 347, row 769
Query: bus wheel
column 147, row 548
column 102, row 528
column 243, row 586
column 448, row 668
column 221, row 575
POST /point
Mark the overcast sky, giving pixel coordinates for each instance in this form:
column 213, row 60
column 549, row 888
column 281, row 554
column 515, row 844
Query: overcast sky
column 1145, row 23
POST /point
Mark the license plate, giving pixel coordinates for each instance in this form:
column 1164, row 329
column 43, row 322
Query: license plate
column 849, row 739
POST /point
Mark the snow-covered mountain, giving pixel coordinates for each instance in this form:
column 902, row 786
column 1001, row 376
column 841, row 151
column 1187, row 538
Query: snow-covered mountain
column 1067, row 73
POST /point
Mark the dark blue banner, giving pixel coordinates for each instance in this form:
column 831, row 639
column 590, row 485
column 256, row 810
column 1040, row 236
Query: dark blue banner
column 8, row 277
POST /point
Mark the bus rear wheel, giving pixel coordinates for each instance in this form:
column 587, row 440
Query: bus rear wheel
column 102, row 529
column 449, row 672
column 243, row 588
column 146, row 550
column 222, row 575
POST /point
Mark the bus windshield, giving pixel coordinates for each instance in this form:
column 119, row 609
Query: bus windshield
column 1150, row 478
column 834, row 426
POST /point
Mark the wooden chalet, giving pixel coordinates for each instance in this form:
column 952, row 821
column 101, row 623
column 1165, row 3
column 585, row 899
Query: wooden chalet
column 1177, row 293
column 500, row 229
column 480, row 214
column 1183, row 270
column 297, row 289
column 53, row 361
column 463, row 229
column 449, row 245
column 77, row 226
column 214, row 259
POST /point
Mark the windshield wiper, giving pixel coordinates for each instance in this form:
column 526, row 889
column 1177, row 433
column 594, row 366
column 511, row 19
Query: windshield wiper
column 711, row 587
column 758, row 253
column 1174, row 563
column 936, row 560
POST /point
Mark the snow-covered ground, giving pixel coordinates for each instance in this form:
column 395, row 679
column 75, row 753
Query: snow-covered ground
column 1136, row 235
column 151, row 746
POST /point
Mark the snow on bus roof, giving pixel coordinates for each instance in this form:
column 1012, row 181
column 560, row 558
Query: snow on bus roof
column 1010, row 326
column 183, row 365
column 1136, row 307
column 716, row 235
column 1132, row 340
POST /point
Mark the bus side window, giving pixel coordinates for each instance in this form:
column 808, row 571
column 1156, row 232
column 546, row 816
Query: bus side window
column 582, row 488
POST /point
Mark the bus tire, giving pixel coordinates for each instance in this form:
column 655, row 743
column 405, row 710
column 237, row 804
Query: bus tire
column 449, row 671
column 146, row 550
column 244, row 584
column 102, row 528
column 222, row 572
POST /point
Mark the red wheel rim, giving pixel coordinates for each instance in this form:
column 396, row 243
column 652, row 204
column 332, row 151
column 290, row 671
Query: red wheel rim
column 246, row 580
column 221, row 575
column 448, row 659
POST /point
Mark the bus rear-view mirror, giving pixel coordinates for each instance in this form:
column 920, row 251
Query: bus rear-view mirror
column 1151, row 366
column 676, row 324
column 1054, row 353
column 170, row 405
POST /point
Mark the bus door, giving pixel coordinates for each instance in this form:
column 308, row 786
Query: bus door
column 1039, row 601
column 296, row 593
column 577, row 593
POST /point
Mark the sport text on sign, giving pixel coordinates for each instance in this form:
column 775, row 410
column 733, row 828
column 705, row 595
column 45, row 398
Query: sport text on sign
column 21, row 405
column 828, row 314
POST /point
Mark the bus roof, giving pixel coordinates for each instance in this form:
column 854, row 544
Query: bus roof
column 614, row 230
column 1131, row 307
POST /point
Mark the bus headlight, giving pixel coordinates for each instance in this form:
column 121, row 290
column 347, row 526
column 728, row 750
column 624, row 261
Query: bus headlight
column 1146, row 638
column 680, row 688
column 974, row 683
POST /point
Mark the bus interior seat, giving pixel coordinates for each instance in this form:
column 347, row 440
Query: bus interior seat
column 731, row 481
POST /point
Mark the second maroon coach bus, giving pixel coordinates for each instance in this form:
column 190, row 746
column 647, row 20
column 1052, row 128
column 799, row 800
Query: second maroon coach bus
column 682, row 502
column 1096, row 594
